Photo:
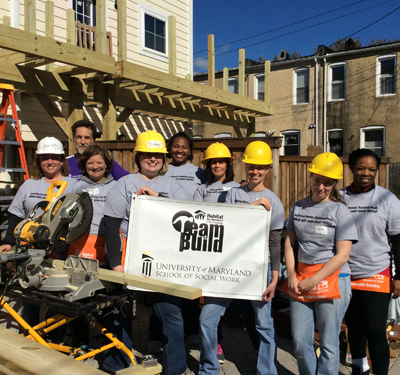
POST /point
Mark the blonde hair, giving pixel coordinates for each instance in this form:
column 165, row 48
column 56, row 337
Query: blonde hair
column 136, row 164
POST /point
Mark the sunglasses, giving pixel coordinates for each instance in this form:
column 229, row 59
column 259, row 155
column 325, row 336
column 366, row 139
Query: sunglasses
column 326, row 183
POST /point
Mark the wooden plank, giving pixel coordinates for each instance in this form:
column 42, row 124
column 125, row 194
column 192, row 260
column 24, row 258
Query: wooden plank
column 71, row 28
column 55, row 114
column 211, row 61
column 165, row 287
column 75, row 108
column 122, row 33
column 225, row 79
column 25, row 42
column 49, row 32
column 292, row 183
column 172, row 45
column 25, row 356
column 275, row 171
column 30, row 16
column 6, row 20
column 267, row 77
column 127, row 98
column 101, row 32
column 145, row 75
column 241, row 78
column 10, row 73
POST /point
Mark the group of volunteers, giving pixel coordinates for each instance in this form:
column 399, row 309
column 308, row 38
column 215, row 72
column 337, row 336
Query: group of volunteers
column 338, row 250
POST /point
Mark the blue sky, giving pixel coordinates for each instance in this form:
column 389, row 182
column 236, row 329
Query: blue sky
column 231, row 20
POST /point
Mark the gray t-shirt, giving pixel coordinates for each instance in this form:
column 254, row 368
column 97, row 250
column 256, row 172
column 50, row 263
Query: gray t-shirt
column 31, row 193
column 189, row 176
column 318, row 226
column 215, row 192
column 97, row 193
column 246, row 196
column 118, row 201
column 377, row 216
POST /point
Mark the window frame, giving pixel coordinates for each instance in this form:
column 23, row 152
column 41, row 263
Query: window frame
column 92, row 12
column 371, row 128
column 379, row 59
column 234, row 79
column 256, row 77
column 329, row 144
column 289, row 132
column 330, row 81
column 146, row 51
column 295, row 72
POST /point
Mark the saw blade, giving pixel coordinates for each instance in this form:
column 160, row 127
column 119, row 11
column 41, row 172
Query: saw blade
column 81, row 223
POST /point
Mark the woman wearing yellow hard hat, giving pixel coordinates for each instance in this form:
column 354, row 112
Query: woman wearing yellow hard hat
column 319, row 285
column 258, row 159
column 150, row 179
column 219, row 174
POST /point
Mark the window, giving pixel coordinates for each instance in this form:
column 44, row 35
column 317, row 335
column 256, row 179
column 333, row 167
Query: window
column 85, row 11
column 259, row 87
column 291, row 142
column 260, row 134
column 386, row 75
column 335, row 140
column 233, row 85
column 337, row 81
column 373, row 137
column 153, row 39
column 223, row 135
column 301, row 86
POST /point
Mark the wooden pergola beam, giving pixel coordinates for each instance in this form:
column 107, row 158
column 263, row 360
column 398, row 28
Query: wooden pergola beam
column 135, row 72
column 32, row 44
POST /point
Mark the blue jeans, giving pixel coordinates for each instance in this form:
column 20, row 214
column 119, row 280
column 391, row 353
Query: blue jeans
column 210, row 315
column 118, row 323
column 329, row 315
column 168, row 310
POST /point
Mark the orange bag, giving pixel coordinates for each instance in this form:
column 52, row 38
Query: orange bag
column 374, row 283
column 325, row 290
column 89, row 246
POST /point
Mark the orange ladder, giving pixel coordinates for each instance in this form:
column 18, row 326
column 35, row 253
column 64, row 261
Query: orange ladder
column 8, row 99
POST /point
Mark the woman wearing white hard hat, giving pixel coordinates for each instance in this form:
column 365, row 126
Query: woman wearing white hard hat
column 49, row 165
column 150, row 179
column 257, row 158
column 219, row 174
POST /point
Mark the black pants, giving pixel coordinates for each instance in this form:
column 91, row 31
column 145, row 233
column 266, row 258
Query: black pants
column 366, row 321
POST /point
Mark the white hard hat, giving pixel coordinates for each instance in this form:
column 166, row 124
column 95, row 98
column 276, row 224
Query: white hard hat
column 50, row 145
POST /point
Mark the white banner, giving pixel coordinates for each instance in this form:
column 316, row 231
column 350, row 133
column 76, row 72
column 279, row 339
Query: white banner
column 220, row 248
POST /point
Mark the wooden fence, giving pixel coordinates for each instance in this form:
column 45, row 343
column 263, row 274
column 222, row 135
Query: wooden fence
column 291, row 171
column 394, row 178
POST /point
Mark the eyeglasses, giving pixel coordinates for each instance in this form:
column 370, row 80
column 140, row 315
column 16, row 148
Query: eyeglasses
column 149, row 155
column 326, row 183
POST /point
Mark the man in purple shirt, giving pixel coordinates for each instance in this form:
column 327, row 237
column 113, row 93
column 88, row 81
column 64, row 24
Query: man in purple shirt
column 84, row 133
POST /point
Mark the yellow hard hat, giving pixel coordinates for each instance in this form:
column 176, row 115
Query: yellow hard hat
column 257, row 152
column 150, row 141
column 215, row 151
column 327, row 164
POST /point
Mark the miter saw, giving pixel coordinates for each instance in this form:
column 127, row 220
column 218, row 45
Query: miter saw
column 65, row 218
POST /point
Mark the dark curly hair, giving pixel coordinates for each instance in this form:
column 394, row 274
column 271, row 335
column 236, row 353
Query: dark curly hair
column 181, row 135
column 92, row 151
column 361, row 153
column 37, row 172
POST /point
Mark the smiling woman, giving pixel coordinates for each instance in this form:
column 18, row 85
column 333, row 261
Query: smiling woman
column 376, row 212
column 49, row 165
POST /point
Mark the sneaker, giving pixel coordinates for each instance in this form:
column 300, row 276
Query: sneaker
column 220, row 354
column 193, row 340
column 154, row 347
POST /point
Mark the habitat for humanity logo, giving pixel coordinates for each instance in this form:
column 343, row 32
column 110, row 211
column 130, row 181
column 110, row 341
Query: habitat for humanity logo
column 199, row 232
column 147, row 263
